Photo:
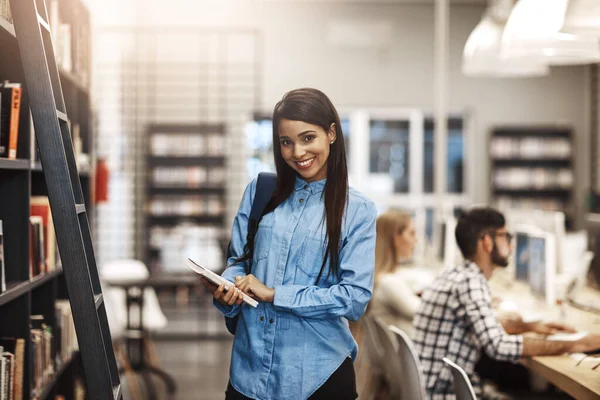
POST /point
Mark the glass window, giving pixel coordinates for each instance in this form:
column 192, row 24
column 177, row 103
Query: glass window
column 390, row 151
column 259, row 139
column 455, row 156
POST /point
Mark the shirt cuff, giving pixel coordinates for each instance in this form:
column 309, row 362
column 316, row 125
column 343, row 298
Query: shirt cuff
column 227, row 311
column 519, row 342
column 285, row 295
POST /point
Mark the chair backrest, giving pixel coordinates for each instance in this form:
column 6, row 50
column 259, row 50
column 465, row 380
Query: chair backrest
column 390, row 363
column 372, row 343
column 412, row 379
column 462, row 385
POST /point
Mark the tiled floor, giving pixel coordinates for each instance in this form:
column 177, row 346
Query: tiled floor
column 201, row 369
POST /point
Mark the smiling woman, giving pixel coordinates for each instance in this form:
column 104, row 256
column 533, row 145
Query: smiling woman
column 316, row 271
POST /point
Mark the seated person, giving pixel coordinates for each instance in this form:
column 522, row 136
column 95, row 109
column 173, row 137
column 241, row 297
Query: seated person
column 456, row 320
column 397, row 280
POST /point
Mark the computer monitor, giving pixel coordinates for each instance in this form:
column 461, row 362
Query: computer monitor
column 592, row 226
column 552, row 222
column 521, row 257
column 535, row 262
column 448, row 251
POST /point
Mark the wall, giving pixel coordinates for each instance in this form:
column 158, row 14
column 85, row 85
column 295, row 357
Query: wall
column 296, row 53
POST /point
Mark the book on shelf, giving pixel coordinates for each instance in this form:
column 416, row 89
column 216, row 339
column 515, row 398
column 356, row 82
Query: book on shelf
column 37, row 260
column 2, row 266
column 41, row 349
column 13, row 359
column 10, row 107
column 5, row 10
column 65, row 335
column 8, row 374
column 40, row 207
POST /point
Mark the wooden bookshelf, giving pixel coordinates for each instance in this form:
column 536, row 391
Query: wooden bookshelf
column 22, row 178
column 185, row 163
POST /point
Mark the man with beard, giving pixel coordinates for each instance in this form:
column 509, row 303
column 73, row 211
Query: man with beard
column 456, row 319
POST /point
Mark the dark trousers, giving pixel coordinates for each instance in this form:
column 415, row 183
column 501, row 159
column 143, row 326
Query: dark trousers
column 341, row 385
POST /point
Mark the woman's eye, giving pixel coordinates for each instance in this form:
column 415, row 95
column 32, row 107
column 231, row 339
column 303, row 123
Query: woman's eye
column 308, row 138
column 285, row 142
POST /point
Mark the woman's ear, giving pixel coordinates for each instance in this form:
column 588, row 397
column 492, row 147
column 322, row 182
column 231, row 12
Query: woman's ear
column 331, row 134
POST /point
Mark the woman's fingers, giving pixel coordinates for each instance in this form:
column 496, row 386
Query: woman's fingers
column 218, row 294
column 240, row 298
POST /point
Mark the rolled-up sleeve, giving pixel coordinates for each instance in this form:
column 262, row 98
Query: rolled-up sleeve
column 239, row 232
column 349, row 297
column 474, row 299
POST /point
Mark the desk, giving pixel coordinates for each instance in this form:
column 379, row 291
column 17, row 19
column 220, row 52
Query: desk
column 580, row 381
column 134, row 290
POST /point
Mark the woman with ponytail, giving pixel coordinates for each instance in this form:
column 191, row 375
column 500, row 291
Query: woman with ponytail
column 312, row 263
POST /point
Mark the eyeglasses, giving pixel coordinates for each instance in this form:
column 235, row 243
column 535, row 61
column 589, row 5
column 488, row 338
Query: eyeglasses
column 509, row 236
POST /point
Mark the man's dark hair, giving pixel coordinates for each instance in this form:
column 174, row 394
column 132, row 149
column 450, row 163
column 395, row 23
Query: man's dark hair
column 473, row 224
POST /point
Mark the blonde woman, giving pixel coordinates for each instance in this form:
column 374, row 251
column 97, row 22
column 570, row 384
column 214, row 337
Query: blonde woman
column 397, row 281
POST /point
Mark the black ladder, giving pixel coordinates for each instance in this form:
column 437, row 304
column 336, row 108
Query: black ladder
column 66, row 198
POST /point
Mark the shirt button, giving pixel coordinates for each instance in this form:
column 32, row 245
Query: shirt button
column 271, row 320
column 301, row 200
column 262, row 318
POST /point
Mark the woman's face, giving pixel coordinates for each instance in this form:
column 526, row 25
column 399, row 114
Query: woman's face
column 305, row 148
column 405, row 241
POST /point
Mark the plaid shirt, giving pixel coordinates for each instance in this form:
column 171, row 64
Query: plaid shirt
column 456, row 320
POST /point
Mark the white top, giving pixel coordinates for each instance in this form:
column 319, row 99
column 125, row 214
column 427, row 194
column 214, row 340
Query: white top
column 395, row 300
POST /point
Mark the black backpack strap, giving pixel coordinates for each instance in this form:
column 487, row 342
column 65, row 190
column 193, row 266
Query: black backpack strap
column 265, row 187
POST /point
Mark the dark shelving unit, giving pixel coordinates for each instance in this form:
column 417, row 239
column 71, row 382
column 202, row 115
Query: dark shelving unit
column 205, row 158
column 516, row 153
column 22, row 178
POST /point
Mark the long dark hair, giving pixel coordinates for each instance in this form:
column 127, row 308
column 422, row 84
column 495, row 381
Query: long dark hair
column 312, row 107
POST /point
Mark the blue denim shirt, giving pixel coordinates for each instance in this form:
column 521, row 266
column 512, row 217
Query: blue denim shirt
column 287, row 349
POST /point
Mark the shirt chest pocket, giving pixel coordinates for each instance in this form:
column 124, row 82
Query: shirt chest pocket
column 263, row 237
column 312, row 253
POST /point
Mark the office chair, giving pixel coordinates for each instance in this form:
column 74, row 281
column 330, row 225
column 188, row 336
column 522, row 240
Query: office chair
column 462, row 385
column 373, row 345
column 391, row 362
column 413, row 381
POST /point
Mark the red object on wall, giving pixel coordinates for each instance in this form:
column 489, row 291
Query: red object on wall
column 102, row 176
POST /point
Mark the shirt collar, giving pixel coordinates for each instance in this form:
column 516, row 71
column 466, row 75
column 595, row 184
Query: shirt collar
column 314, row 187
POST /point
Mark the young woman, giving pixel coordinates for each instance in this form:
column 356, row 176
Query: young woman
column 312, row 264
column 397, row 280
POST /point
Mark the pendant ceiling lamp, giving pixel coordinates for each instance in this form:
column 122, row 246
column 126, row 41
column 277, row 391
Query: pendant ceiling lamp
column 582, row 18
column 481, row 55
column 532, row 32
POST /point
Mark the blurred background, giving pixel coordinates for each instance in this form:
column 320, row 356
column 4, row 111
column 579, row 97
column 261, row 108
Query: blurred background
column 444, row 105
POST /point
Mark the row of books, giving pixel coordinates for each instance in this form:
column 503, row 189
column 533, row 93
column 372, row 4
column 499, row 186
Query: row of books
column 533, row 178
column 176, row 243
column 530, row 148
column 51, row 347
column 190, row 177
column 546, row 204
column 43, row 255
column 187, row 206
column 12, row 363
column 162, row 144
column 10, row 108
column 71, row 42
column 5, row 10
column 159, row 235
